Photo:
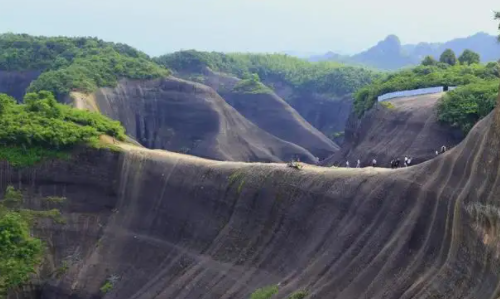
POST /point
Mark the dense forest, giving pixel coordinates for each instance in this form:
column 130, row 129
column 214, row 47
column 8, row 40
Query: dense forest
column 322, row 77
column 42, row 128
column 74, row 63
column 462, row 107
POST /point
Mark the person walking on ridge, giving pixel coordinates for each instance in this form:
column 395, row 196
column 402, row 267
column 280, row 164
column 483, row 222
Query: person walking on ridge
column 374, row 163
column 347, row 164
column 358, row 165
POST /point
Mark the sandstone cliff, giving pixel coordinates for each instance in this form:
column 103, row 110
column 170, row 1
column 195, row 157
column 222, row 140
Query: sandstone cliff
column 168, row 225
column 15, row 83
column 274, row 115
column 407, row 128
column 188, row 117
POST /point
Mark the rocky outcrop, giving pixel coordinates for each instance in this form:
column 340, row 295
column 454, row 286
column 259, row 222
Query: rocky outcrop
column 188, row 117
column 15, row 83
column 167, row 225
column 407, row 128
column 274, row 115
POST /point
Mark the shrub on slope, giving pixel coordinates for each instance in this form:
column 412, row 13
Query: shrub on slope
column 20, row 252
column 421, row 77
column 251, row 85
column 466, row 105
column 74, row 63
column 41, row 128
column 322, row 77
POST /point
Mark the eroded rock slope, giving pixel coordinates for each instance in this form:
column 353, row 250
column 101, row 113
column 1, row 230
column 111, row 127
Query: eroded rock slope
column 15, row 83
column 270, row 113
column 408, row 128
column 183, row 116
column 168, row 225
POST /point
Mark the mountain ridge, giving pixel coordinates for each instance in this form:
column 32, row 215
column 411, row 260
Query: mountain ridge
column 391, row 54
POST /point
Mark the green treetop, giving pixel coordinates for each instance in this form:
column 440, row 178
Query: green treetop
column 448, row 57
column 469, row 57
column 429, row 60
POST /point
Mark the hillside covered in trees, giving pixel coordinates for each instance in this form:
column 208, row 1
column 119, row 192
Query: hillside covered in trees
column 74, row 63
column 303, row 76
column 42, row 128
column 472, row 100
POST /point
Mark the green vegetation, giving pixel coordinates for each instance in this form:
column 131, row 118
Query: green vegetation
column 55, row 199
column 20, row 254
column 301, row 75
column 22, row 156
column 265, row 292
column 497, row 17
column 251, row 85
column 422, row 77
column 269, row 291
column 466, row 105
column 74, row 63
column 429, row 60
column 448, row 57
column 106, row 287
column 61, row 270
column 338, row 134
column 388, row 105
column 42, row 128
column 469, row 57
column 298, row 295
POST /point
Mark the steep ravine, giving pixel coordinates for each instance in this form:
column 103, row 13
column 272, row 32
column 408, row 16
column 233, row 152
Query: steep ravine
column 175, row 226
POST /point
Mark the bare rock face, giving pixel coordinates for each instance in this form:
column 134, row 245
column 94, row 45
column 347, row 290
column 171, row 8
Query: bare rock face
column 274, row 115
column 187, row 117
column 408, row 128
column 270, row 113
column 15, row 83
column 166, row 225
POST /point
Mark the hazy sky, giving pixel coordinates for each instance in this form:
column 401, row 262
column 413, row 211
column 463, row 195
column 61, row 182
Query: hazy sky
column 157, row 27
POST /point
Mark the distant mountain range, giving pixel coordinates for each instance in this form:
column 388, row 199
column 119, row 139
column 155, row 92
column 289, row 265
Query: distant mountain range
column 390, row 54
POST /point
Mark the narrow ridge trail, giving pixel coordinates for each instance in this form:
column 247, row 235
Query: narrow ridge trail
column 407, row 128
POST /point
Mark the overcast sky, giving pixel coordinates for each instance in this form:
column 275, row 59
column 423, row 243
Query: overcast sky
column 161, row 26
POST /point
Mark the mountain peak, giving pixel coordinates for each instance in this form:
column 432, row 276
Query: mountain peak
column 391, row 40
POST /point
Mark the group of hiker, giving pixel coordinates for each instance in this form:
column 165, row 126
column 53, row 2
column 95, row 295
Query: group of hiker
column 395, row 163
column 358, row 163
column 441, row 151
